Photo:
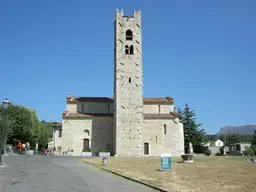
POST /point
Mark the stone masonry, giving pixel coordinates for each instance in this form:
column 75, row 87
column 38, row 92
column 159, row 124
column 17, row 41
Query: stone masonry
column 127, row 124
column 128, row 87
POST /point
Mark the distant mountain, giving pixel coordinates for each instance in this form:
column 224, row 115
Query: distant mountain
column 240, row 130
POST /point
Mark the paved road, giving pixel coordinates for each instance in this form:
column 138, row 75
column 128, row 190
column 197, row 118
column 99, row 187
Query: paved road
column 59, row 174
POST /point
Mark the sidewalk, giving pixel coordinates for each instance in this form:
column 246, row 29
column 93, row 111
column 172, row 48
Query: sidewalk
column 13, row 154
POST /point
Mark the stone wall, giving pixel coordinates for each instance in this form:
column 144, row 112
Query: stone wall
column 127, row 131
column 72, row 107
column 57, row 141
column 100, row 135
column 102, row 107
column 128, row 85
column 153, row 109
column 159, row 142
column 95, row 107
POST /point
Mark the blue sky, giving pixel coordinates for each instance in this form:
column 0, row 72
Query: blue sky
column 199, row 52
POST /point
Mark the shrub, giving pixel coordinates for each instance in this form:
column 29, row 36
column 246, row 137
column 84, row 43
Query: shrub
column 208, row 152
column 199, row 149
column 222, row 150
column 218, row 154
column 249, row 152
column 86, row 150
column 253, row 148
column 104, row 150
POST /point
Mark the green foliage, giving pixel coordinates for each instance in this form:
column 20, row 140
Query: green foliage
column 35, row 128
column 86, row 150
column 23, row 125
column 48, row 129
column 200, row 149
column 254, row 138
column 192, row 131
column 249, row 152
column 254, row 148
column 208, row 152
column 43, row 140
column 222, row 150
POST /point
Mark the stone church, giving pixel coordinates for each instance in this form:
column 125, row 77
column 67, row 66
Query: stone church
column 127, row 124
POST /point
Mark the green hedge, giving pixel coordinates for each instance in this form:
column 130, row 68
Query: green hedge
column 251, row 151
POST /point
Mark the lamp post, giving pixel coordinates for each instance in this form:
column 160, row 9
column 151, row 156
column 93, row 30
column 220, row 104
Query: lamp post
column 3, row 129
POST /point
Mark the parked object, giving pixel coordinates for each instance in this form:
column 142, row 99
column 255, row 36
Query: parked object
column 253, row 160
column 104, row 160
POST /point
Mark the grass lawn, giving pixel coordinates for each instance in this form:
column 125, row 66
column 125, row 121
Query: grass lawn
column 214, row 173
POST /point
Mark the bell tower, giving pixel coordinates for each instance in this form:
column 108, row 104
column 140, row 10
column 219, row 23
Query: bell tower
column 128, row 85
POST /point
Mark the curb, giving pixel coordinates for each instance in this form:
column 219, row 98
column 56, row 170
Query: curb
column 128, row 178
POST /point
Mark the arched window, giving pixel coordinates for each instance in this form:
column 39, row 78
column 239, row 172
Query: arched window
column 165, row 131
column 131, row 50
column 126, row 49
column 129, row 35
column 87, row 132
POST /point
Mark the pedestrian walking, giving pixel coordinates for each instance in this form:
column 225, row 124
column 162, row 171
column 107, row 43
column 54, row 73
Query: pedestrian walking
column 9, row 150
column 23, row 148
column 19, row 147
column 27, row 147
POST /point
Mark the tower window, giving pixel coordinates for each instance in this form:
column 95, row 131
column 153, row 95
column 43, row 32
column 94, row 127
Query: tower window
column 126, row 49
column 129, row 35
column 130, row 80
column 131, row 50
column 165, row 131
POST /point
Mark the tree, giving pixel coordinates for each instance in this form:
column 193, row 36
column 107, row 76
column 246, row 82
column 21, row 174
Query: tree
column 192, row 131
column 35, row 128
column 254, row 138
column 48, row 129
column 24, row 126
column 43, row 140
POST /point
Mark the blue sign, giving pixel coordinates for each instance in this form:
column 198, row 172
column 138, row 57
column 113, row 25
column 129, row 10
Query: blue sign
column 165, row 162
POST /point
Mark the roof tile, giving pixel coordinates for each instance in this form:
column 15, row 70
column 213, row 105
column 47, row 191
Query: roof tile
column 56, row 125
column 146, row 100
column 148, row 116
column 88, row 115
column 161, row 115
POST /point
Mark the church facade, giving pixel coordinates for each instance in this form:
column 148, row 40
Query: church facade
column 127, row 124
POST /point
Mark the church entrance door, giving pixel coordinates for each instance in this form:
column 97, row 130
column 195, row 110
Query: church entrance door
column 86, row 144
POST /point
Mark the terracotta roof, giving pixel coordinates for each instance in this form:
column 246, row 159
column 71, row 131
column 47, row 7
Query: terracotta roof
column 81, row 115
column 161, row 115
column 57, row 125
column 157, row 99
column 147, row 116
column 146, row 100
column 92, row 99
